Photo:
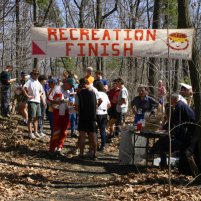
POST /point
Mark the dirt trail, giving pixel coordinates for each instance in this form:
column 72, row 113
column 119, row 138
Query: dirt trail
column 30, row 172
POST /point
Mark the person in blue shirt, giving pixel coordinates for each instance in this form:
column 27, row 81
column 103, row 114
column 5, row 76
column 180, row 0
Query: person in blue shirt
column 72, row 112
column 143, row 103
column 99, row 78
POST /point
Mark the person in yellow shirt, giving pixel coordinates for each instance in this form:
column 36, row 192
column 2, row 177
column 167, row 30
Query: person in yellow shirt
column 89, row 77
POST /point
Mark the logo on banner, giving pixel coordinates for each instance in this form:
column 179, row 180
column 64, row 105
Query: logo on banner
column 178, row 41
column 38, row 48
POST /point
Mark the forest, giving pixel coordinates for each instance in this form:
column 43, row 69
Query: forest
column 65, row 18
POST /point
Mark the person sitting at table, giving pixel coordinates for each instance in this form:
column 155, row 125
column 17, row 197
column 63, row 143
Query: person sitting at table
column 143, row 103
column 182, row 128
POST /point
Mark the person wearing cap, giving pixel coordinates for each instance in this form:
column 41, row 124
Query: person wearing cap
column 54, row 99
column 52, row 88
column 186, row 93
column 6, row 81
column 61, row 116
column 182, row 128
column 59, row 81
column 33, row 91
column 88, row 76
column 71, row 101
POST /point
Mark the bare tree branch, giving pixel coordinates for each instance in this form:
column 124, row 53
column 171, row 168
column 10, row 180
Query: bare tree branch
column 71, row 16
column 76, row 4
column 46, row 13
column 6, row 14
column 112, row 11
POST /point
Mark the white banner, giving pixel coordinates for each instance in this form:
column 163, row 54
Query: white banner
column 75, row 42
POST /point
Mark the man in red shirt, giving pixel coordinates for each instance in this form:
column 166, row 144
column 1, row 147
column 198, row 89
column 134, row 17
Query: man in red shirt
column 113, row 97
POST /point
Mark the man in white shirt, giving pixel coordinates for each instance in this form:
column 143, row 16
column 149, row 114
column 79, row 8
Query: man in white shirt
column 122, row 103
column 101, row 114
column 33, row 90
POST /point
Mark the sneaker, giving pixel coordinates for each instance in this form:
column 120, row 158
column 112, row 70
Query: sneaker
column 42, row 134
column 31, row 135
column 93, row 157
column 23, row 123
column 163, row 166
column 8, row 116
column 101, row 148
column 73, row 151
column 37, row 135
column 109, row 140
column 58, row 151
column 73, row 135
column 89, row 154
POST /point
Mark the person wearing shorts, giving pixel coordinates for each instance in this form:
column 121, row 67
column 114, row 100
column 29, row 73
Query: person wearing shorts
column 86, row 104
column 113, row 97
column 34, row 110
column 33, row 90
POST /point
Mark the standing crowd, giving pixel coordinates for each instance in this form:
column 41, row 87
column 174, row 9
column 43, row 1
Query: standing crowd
column 68, row 104
column 89, row 105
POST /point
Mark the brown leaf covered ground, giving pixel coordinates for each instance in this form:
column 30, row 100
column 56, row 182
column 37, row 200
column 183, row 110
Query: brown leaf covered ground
column 29, row 172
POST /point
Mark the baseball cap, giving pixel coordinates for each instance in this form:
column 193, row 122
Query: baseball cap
column 71, row 81
column 22, row 73
column 187, row 86
column 52, row 80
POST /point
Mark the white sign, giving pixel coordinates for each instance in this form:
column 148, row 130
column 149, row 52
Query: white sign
column 75, row 42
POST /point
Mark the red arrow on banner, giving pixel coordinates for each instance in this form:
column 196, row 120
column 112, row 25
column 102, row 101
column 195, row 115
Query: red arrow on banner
column 36, row 50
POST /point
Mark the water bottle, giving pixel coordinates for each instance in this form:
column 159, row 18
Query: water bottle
column 138, row 116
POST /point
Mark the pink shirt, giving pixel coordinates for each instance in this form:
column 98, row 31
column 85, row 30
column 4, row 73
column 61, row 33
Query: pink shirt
column 161, row 91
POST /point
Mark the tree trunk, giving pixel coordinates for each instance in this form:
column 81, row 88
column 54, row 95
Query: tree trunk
column 99, row 25
column 3, row 43
column 51, row 67
column 184, row 21
column 132, row 62
column 36, row 22
column 81, row 25
column 152, row 61
column 35, row 62
column 99, row 20
column 17, row 50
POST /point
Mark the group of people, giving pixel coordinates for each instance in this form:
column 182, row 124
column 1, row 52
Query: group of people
column 92, row 105
column 67, row 103
column 182, row 121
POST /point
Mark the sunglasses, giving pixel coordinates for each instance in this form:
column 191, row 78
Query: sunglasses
column 35, row 73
